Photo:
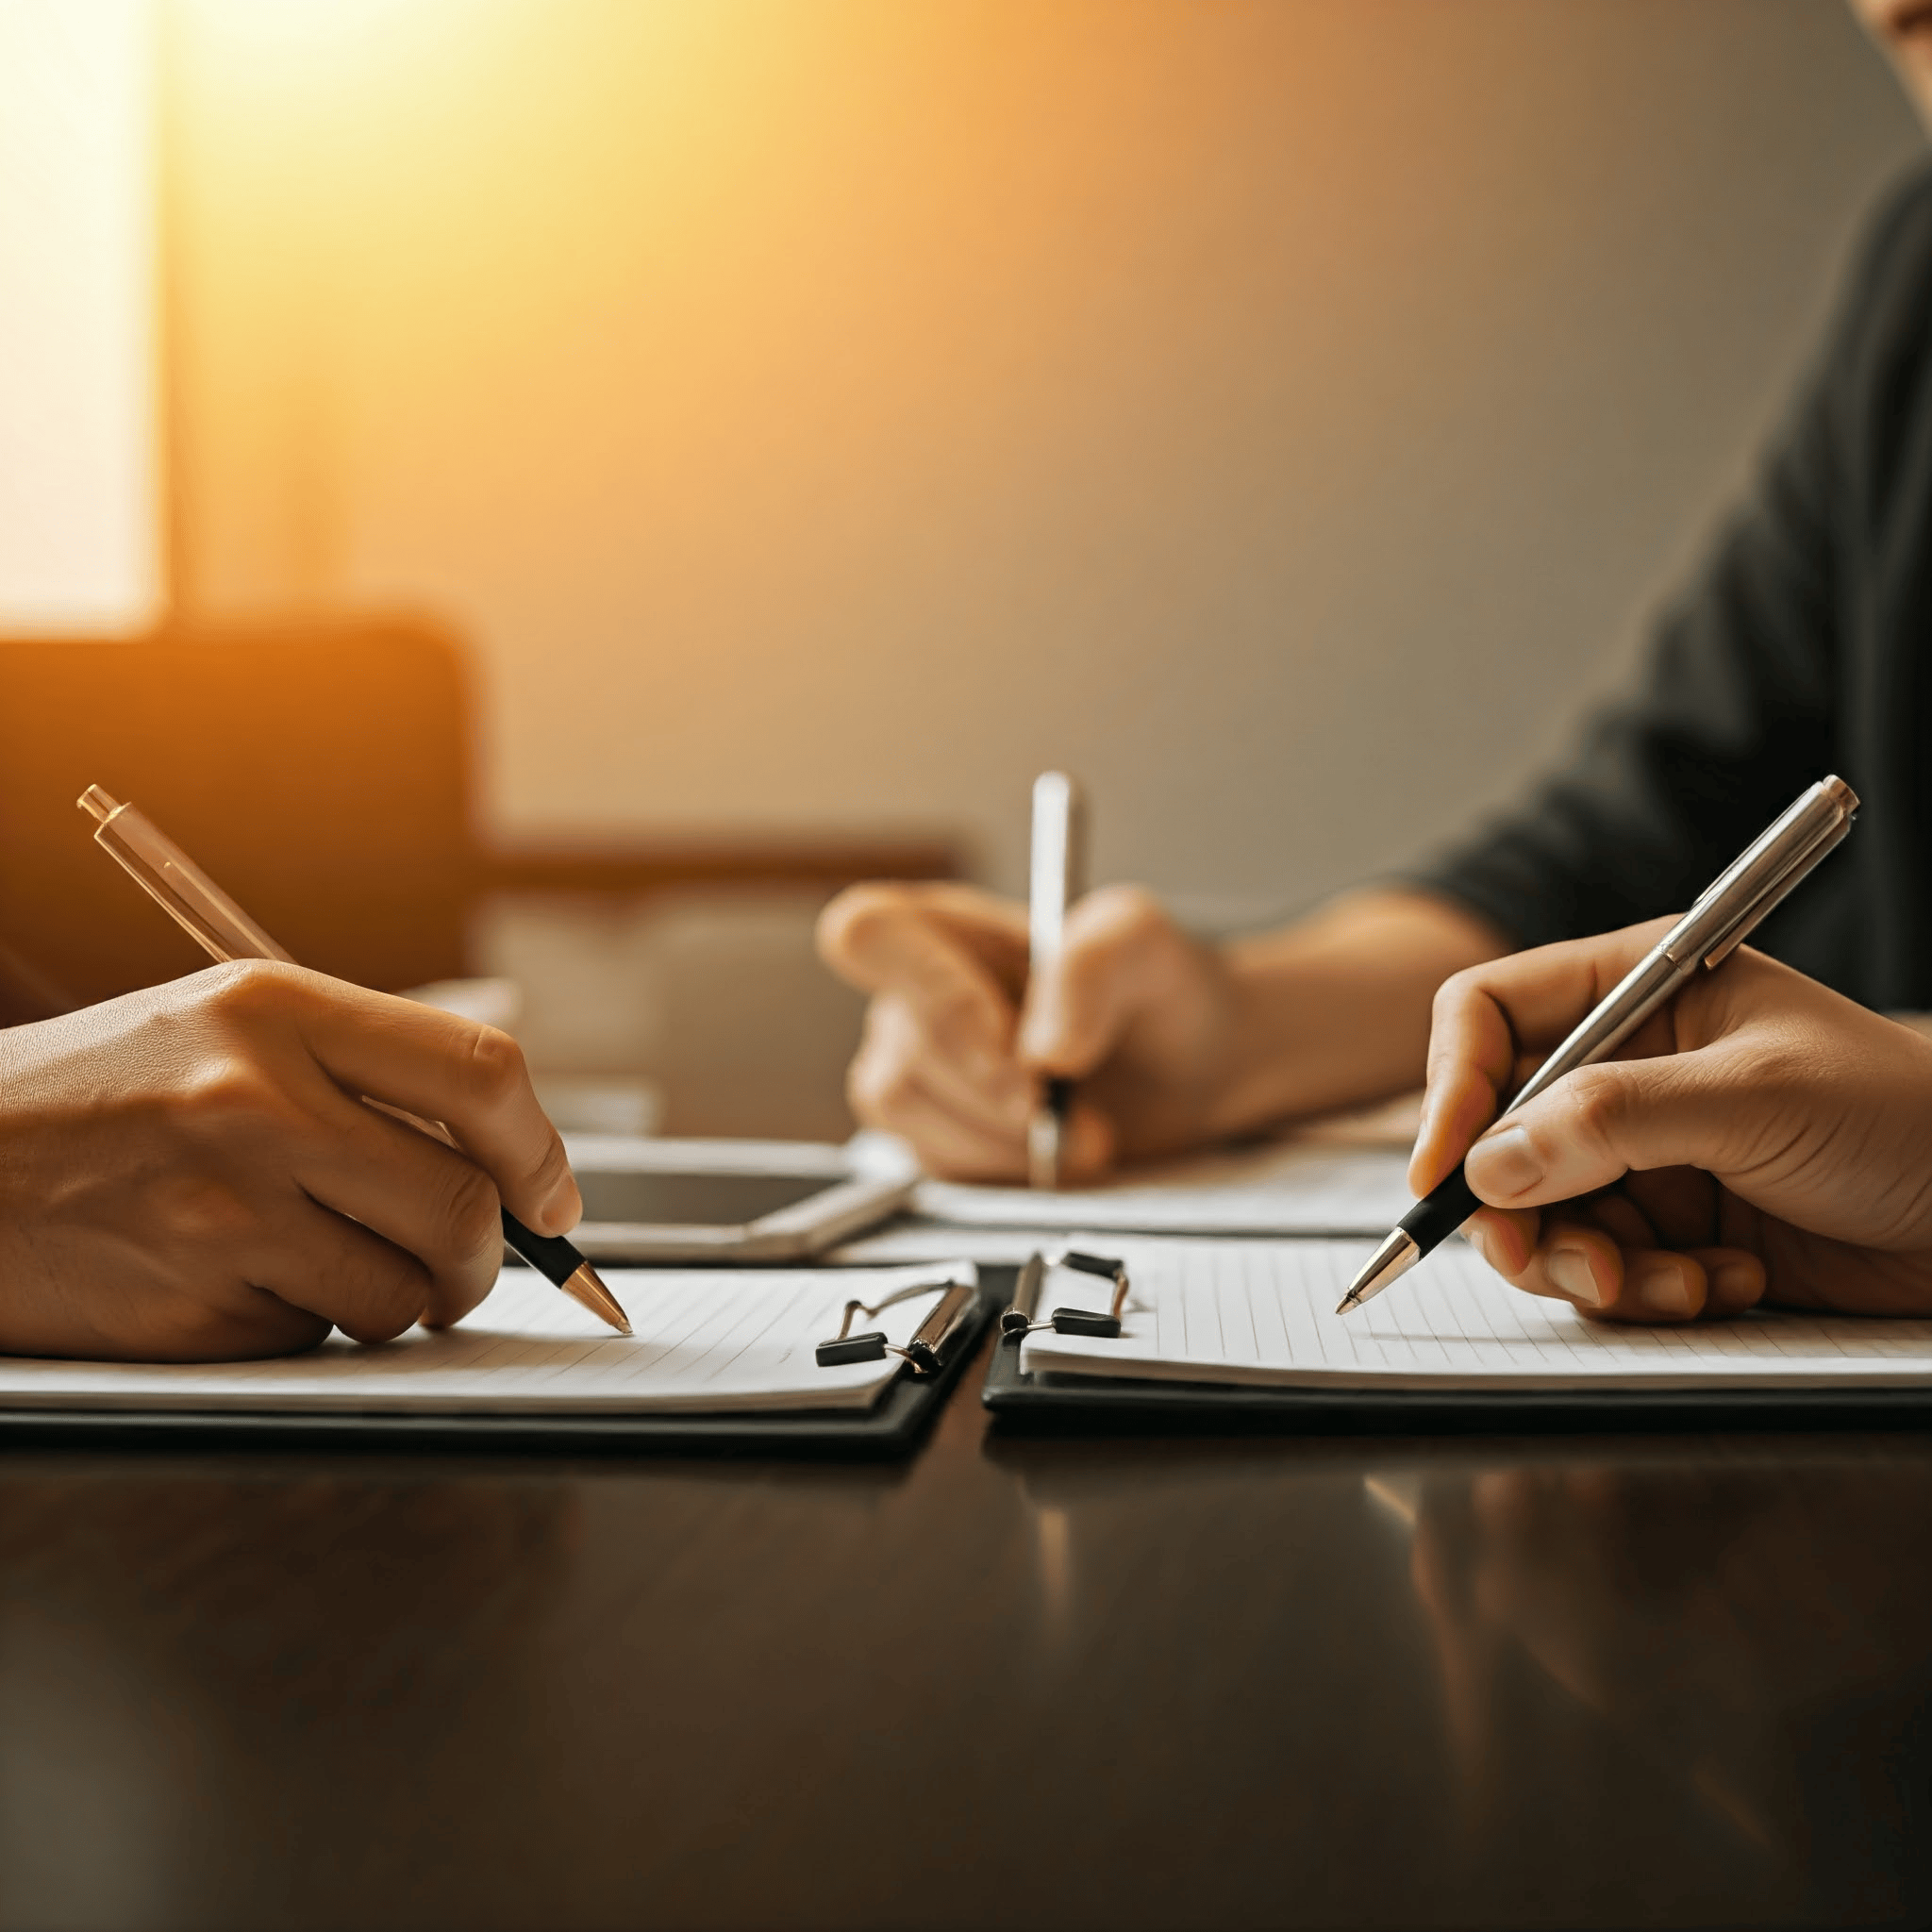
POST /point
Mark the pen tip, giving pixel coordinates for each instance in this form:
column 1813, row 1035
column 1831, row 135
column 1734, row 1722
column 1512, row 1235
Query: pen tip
column 1397, row 1255
column 586, row 1286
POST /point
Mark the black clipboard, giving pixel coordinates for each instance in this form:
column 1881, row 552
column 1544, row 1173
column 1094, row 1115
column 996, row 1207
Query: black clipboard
column 1097, row 1404
column 894, row 1426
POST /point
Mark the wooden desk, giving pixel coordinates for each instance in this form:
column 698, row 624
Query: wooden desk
column 1208, row 1682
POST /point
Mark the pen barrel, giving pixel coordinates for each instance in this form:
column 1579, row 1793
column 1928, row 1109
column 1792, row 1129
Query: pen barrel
column 551, row 1256
column 177, row 884
column 1439, row 1213
column 1632, row 1001
column 1629, row 1003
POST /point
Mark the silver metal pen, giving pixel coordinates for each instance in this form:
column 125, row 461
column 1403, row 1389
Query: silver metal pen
column 1725, row 914
column 1058, row 877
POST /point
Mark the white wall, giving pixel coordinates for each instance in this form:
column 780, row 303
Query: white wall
column 1280, row 411
column 79, row 537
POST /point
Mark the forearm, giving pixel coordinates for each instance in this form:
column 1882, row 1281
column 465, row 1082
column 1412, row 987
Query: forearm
column 1334, row 1010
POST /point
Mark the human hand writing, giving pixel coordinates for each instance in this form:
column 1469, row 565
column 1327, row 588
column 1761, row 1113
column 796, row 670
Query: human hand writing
column 189, row 1173
column 1174, row 1042
column 1761, row 1136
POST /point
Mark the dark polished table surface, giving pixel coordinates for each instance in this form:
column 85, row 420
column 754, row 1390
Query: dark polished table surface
column 1121, row 1682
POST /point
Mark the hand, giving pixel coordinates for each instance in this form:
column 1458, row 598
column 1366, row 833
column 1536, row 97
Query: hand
column 1761, row 1138
column 1173, row 1042
column 187, row 1173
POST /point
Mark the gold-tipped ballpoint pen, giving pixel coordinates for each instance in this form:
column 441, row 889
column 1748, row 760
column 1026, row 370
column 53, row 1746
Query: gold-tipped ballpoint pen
column 1057, row 878
column 225, row 932
column 1726, row 911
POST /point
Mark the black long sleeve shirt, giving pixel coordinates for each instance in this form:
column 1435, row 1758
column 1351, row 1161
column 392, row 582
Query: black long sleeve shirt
column 1804, row 647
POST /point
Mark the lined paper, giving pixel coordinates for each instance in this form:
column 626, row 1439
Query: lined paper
column 705, row 1340
column 1281, row 1188
column 1262, row 1313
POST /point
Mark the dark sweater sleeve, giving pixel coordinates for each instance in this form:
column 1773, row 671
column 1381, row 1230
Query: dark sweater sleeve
column 1734, row 711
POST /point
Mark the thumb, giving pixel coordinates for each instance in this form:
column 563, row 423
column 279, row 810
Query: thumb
column 1598, row 1124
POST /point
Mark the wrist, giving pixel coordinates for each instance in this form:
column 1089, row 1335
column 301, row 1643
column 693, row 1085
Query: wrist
column 1334, row 1011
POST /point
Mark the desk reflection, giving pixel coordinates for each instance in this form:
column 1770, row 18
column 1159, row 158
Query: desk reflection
column 1758, row 1628
column 1110, row 1683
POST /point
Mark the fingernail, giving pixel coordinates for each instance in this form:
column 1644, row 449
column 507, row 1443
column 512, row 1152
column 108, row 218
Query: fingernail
column 1509, row 1162
column 1568, row 1267
column 1661, row 1285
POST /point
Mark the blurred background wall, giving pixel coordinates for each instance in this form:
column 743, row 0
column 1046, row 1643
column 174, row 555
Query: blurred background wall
column 818, row 415
column 80, row 406
column 830, row 411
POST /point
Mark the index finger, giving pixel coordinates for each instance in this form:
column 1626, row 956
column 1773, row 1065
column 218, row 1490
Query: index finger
column 444, row 1068
column 955, row 957
column 1489, row 1016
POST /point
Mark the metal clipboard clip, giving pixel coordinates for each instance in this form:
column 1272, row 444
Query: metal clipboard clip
column 1021, row 1318
column 926, row 1351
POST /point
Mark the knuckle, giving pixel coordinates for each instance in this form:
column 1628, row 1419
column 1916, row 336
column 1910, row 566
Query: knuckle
column 199, row 1213
column 469, row 1218
column 1457, row 992
column 880, row 1088
column 1599, row 1101
column 496, row 1067
column 845, row 917
column 228, row 1096
column 245, row 988
column 1126, row 915
column 392, row 1304
column 552, row 1165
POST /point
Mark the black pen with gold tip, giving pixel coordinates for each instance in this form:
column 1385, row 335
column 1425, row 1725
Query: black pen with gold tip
column 225, row 932
column 1725, row 914
column 1057, row 878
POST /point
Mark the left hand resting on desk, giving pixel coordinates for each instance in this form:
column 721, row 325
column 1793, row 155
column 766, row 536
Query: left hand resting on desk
column 1761, row 1138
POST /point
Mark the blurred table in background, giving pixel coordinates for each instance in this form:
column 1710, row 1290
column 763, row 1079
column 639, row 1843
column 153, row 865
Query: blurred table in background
column 325, row 770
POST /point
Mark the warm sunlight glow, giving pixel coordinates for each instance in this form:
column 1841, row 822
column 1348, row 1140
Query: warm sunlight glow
column 79, row 521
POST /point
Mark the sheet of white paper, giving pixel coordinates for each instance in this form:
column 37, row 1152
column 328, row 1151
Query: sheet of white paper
column 1262, row 1312
column 713, row 1339
column 1288, row 1186
column 909, row 1239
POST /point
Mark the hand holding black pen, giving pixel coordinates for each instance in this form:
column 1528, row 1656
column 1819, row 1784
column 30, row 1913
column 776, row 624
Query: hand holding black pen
column 226, row 933
column 1724, row 914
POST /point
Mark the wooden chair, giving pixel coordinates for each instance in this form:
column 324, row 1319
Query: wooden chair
column 323, row 773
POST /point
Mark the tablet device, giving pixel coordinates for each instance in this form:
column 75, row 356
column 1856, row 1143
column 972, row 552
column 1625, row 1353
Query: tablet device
column 649, row 1199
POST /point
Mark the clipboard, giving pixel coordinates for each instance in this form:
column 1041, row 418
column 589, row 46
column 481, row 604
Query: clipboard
column 1092, row 1404
column 1032, row 1403
column 891, row 1428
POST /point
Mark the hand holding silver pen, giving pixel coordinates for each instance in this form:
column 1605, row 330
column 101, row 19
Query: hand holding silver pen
column 1704, row 938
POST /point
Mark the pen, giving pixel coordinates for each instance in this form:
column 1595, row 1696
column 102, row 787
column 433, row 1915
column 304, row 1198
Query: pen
column 225, row 932
column 1726, row 912
column 1059, row 842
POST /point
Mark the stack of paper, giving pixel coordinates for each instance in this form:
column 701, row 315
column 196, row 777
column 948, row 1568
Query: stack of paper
column 1283, row 1186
